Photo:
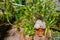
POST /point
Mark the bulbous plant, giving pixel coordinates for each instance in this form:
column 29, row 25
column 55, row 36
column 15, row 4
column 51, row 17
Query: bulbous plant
column 27, row 14
column 46, row 9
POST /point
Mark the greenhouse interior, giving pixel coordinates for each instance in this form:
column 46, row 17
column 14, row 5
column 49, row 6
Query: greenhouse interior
column 29, row 19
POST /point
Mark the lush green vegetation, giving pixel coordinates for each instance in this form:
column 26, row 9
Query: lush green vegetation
column 17, row 14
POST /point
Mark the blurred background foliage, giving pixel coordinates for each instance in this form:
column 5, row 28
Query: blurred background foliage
column 25, row 12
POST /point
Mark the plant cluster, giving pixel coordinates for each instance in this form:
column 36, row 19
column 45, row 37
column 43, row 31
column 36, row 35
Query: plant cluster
column 27, row 14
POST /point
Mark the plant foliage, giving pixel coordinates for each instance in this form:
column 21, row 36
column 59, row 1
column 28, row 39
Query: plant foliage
column 27, row 14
